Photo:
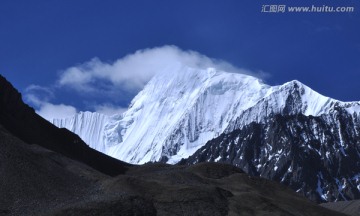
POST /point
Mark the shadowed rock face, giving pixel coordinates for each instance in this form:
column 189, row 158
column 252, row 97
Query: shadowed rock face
column 44, row 172
column 303, row 152
column 22, row 121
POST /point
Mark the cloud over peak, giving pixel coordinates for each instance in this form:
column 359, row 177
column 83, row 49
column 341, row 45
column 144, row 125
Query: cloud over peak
column 133, row 71
column 102, row 84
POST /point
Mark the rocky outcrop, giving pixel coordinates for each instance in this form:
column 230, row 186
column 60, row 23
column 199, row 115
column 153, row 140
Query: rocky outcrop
column 318, row 157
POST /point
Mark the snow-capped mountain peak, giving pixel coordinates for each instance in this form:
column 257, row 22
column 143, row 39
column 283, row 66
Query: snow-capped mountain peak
column 179, row 111
column 181, row 108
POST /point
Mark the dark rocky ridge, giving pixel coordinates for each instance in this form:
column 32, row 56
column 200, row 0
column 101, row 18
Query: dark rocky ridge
column 313, row 155
column 44, row 172
column 22, row 121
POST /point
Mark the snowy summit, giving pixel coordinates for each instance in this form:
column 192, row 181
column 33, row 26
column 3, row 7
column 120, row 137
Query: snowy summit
column 181, row 108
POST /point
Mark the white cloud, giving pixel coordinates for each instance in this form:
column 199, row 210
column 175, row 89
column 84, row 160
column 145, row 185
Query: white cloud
column 96, row 80
column 33, row 93
column 55, row 111
column 133, row 71
column 39, row 97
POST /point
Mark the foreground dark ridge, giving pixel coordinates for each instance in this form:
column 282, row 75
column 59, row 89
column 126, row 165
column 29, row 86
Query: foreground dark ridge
column 22, row 121
column 36, row 181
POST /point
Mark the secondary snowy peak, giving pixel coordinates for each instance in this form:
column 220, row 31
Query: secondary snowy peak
column 303, row 99
column 309, row 101
column 89, row 126
column 181, row 108
column 292, row 98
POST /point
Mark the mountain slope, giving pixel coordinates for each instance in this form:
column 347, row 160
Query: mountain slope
column 34, row 179
column 351, row 208
column 22, row 121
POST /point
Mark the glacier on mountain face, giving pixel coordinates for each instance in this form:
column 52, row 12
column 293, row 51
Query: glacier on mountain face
column 89, row 126
column 182, row 108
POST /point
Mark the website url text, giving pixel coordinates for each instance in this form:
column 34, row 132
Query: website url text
column 312, row 9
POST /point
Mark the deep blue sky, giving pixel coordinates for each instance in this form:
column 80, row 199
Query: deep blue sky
column 38, row 39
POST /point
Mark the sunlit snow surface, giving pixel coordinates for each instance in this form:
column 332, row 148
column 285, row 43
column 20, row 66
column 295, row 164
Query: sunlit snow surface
column 89, row 126
column 182, row 108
